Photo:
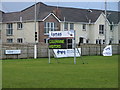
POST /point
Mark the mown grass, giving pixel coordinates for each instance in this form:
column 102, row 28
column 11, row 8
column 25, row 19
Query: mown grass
column 100, row 72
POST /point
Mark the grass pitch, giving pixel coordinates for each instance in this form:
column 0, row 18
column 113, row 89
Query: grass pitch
column 100, row 72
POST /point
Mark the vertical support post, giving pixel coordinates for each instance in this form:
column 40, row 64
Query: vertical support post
column 105, row 21
column 74, row 47
column 35, row 51
column 49, row 55
column 48, row 51
column 35, row 46
column 100, row 50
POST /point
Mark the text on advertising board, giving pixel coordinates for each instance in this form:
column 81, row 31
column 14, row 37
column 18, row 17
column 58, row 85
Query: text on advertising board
column 59, row 34
column 57, row 43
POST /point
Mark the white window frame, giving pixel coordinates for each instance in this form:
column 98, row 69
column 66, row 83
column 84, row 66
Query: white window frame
column 84, row 27
column 10, row 40
column 111, row 27
column 65, row 26
column 101, row 29
column 49, row 26
column 19, row 40
column 9, row 29
column 19, row 26
column 71, row 26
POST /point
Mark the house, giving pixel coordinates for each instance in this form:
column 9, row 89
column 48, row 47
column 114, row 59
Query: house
column 89, row 24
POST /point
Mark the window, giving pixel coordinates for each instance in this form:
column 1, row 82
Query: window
column 87, row 41
column 101, row 29
column 100, row 41
column 46, row 40
column 71, row 26
column 19, row 26
column 69, row 43
column 66, row 26
column 97, row 41
column 103, row 41
column 111, row 27
column 9, row 29
column 110, row 41
column 84, row 27
column 19, row 40
column 80, row 40
column 49, row 26
column 10, row 40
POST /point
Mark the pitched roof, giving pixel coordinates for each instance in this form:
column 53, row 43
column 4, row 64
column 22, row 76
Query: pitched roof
column 63, row 13
column 1, row 15
column 13, row 16
column 113, row 17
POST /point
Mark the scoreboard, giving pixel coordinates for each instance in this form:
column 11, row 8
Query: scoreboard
column 60, row 43
column 61, row 39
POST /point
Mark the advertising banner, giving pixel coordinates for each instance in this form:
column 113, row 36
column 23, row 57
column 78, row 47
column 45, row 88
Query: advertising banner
column 59, row 53
column 61, row 34
column 12, row 51
column 107, row 51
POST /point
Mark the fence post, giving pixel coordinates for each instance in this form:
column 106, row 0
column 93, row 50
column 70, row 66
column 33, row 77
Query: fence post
column 96, row 50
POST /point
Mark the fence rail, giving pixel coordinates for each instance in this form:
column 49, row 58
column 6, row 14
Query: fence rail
column 27, row 50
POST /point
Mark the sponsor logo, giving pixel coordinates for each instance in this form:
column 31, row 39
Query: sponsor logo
column 61, row 52
column 12, row 51
column 56, row 34
column 107, row 51
column 107, row 48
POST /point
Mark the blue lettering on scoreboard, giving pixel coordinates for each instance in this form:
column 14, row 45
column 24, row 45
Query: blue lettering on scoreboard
column 56, row 34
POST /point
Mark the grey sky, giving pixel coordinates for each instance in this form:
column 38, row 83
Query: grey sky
column 17, row 6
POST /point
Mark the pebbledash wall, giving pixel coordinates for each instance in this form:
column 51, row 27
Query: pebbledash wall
column 27, row 33
column 27, row 50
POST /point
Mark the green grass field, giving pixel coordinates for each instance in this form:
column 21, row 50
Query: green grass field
column 100, row 72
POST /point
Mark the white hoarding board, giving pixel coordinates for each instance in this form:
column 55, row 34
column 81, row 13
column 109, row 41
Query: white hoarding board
column 107, row 51
column 61, row 34
column 12, row 51
column 59, row 53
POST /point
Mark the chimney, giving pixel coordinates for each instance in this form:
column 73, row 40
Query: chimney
column 89, row 21
column 20, row 19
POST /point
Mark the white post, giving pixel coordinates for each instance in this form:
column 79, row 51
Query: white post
column 49, row 55
column 74, row 47
column 35, row 46
column 35, row 51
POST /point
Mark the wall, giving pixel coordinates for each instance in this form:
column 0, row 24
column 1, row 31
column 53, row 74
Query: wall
column 95, row 29
column 42, row 36
column 109, row 34
column 27, row 33
column 27, row 50
column 79, row 31
column 92, row 31
column 115, row 34
column 119, row 31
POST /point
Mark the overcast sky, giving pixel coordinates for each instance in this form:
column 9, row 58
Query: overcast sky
column 17, row 6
